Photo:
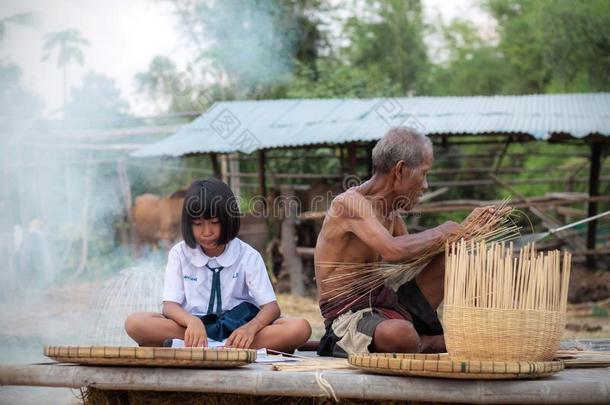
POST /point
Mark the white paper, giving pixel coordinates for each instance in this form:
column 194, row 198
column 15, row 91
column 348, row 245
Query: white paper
column 177, row 343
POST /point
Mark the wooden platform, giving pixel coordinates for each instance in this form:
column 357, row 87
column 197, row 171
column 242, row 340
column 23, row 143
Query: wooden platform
column 574, row 386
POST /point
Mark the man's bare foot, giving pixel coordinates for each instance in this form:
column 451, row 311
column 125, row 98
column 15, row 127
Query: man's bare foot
column 433, row 344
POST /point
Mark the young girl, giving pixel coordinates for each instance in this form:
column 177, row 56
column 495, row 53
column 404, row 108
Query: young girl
column 216, row 286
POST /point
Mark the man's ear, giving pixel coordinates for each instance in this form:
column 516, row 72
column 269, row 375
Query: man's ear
column 398, row 168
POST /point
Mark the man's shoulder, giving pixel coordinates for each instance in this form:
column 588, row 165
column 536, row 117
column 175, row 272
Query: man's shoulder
column 350, row 203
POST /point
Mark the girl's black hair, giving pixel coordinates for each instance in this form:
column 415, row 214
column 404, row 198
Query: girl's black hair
column 210, row 198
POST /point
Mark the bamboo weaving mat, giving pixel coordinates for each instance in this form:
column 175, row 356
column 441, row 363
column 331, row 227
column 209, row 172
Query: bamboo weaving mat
column 196, row 357
column 440, row 365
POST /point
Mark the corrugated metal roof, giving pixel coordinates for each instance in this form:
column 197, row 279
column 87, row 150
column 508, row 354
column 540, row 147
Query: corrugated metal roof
column 247, row 126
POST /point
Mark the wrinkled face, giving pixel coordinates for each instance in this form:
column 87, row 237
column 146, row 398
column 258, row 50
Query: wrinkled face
column 410, row 184
column 206, row 232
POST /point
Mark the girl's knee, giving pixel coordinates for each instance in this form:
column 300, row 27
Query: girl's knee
column 302, row 329
column 296, row 330
column 134, row 323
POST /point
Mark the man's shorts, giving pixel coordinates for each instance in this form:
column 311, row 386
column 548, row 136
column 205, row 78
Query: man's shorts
column 352, row 332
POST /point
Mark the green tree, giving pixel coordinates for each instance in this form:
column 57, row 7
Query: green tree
column 335, row 79
column 179, row 91
column 387, row 37
column 157, row 81
column 554, row 45
column 97, row 99
column 23, row 19
column 473, row 66
column 69, row 46
column 17, row 105
column 251, row 46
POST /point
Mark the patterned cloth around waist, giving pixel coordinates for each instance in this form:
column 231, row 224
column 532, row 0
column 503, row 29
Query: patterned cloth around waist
column 352, row 330
column 381, row 298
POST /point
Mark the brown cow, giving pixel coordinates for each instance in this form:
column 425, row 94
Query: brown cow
column 157, row 219
column 146, row 218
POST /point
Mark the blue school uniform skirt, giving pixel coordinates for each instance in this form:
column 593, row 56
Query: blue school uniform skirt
column 220, row 327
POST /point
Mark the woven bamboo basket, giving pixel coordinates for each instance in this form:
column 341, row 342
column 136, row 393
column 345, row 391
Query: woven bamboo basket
column 196, row 357
column 504, row 308
column 441, row 366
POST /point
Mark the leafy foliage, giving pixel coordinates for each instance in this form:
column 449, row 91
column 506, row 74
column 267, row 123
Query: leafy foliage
column 98, row 98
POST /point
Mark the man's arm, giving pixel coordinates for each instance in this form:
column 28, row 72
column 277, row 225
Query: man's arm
column 359, row 218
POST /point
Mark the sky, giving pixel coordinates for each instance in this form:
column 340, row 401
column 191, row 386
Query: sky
column 124, row 37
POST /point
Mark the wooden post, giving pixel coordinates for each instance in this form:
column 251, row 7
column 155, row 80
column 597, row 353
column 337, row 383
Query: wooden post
column 234, row 176
column 8, row 219
column 352, row 158
column 224, row 169
column 84, row 252
column 128, row 233
column 498, row 158
column 215, row 165
column 369, row 158
column 262, row 168
column 291, row 262
column 596, row 160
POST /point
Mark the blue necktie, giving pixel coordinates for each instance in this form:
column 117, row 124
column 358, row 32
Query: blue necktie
column 215, row 292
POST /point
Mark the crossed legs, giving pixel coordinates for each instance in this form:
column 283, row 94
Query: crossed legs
column 400, row 336
column 151, row 329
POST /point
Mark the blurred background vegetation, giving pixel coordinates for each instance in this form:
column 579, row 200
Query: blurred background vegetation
column 332, row 49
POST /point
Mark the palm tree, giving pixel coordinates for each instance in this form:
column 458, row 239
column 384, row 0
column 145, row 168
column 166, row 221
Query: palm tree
column 24, row 19
column 69, row 44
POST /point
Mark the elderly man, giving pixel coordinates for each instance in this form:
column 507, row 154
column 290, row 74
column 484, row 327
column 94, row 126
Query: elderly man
column 364, row 225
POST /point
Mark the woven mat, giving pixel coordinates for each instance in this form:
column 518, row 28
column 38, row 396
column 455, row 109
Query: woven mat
column 151, row 356
column 440, row 365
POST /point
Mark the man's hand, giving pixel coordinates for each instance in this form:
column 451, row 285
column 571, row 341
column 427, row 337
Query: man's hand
column 195, row 335
column 450, row 230
column 488, row 211
column 242, row 337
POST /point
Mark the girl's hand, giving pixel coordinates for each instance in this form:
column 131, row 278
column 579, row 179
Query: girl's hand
column 195, row 335
column 242, row 337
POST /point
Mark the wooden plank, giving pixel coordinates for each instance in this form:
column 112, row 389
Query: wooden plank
column 463, row 205
column 305, row 251
column 572, row 386
column 482, row 182
column 594, row 174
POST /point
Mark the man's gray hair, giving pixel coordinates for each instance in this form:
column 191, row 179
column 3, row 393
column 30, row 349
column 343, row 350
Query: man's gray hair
column 400, row 143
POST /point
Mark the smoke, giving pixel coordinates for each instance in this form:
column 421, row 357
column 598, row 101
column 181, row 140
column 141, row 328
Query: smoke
column 249, row 44
column 63, row 223
column 64, row 198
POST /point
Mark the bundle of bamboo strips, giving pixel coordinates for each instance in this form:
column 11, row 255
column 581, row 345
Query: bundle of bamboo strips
column 313, row 364
column 352, row 282
column 501, row 307
column 583, row 359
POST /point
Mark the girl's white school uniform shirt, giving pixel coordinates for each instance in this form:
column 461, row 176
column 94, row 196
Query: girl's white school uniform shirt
column 188, row 281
